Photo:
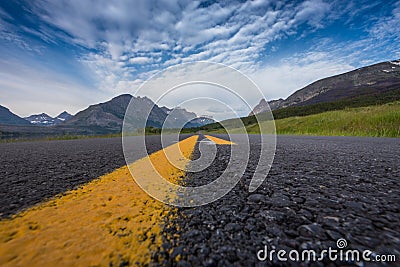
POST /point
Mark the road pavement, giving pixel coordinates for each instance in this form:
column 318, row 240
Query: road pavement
column 319, row 190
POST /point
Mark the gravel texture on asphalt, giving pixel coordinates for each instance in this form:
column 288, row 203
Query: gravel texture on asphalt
column 319, row 189
column 31, row 172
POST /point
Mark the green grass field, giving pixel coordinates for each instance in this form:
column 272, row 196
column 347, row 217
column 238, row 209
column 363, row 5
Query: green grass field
column 379, row 121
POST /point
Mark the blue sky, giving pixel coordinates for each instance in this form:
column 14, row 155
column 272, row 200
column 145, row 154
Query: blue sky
column 68, row 54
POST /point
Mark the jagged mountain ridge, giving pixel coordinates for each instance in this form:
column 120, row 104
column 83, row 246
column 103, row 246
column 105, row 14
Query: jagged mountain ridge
column 198, row 122
column 110, row 115
column 45, row 120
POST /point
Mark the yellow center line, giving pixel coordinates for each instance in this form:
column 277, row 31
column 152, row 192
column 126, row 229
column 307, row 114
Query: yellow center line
column 219, row 141
column 107, row 222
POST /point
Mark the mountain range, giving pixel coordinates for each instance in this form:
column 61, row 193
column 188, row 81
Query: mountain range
column 198, row 122
column 45, row 120
column 370, row 80
column 102, row 118
column 110, row 115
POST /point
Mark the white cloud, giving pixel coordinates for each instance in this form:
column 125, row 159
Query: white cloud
column 313, row 12
column 140, row 60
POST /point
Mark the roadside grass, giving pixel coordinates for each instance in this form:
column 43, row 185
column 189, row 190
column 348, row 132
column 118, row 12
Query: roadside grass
column 376, row 121
column 373, row 121
column 355, row 102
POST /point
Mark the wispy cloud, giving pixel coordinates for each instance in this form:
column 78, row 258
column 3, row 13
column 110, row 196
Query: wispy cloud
column 387, row 27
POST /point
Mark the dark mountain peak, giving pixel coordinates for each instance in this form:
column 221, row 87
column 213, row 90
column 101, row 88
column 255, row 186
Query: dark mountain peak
column 63, row 114
column 109, row 116
column 165, row 109
column 179, row 113
column 262, row 101
column 41, row 119
column 119, row 100
column 123, row 96
column 62, row 117
column 145, row 99
column 39, row 115
column 9, row 118
column 262, row 106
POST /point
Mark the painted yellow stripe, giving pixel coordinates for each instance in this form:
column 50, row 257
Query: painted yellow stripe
column 219, row 141
column 107, row 222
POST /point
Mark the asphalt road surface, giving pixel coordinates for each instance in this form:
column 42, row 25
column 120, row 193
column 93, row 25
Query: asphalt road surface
column 31, row 172
column 320, row 189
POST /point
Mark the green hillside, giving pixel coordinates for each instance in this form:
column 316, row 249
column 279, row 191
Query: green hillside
column 295, row 111
column 378, row 120
column 354, row 102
